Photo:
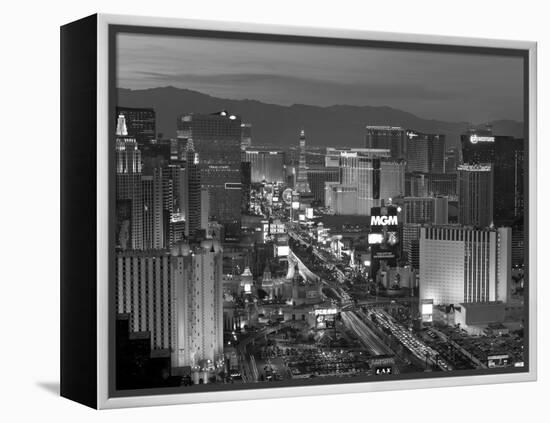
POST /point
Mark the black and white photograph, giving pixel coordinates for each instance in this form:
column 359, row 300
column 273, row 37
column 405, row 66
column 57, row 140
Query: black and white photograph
column 275, row 212
column 293, row 211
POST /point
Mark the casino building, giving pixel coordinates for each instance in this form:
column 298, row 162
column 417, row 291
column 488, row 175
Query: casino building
column 463, row 264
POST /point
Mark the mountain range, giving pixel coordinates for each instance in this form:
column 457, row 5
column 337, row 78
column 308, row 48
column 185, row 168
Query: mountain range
column 338, row 125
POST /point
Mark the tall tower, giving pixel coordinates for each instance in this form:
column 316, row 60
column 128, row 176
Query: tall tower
column 302, row 185
column 197, row 315
column 193, row 188
column 475, row 194
column 217, row 141
column 129, row 195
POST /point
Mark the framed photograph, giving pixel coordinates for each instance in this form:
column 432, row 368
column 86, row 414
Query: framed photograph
column 254, row 211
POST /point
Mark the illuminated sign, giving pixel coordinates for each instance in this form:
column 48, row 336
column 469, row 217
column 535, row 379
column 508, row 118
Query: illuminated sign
column 325, row 311
column 309, row 213
column 383, row 220
column 392, row 238
column 348, row 154
column 474, row 168
column 283, row 250
column 376, row 238
column 387, row 370
column 426, row 310
column 383, row 255
column 474, row 139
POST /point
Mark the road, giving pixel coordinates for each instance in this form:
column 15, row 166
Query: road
column 365, row 334
column 418, row 348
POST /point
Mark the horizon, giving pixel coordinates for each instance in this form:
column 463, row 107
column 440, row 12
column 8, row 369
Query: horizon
column 473, row 124
column 454, row 87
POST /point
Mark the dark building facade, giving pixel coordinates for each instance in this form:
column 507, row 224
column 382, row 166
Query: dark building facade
column 475, row 194
column 452, row 159
column 393, row 138
column 506, row 155
column 317, row 176
column 419, row 184
column 217, row 142
column 425, row 152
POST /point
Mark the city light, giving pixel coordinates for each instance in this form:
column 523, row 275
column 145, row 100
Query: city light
column 316, row 257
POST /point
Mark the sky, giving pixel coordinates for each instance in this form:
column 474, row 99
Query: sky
column 434, row 85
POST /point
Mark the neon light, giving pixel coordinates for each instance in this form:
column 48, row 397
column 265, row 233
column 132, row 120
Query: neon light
column 474, row 139
column 383, row 220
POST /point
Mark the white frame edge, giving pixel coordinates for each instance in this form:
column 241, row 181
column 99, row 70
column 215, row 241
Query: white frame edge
column 103, row 400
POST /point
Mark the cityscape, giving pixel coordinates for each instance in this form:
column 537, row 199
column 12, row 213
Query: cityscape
column 241, row 260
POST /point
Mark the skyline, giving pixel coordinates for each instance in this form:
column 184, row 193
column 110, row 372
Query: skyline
column 432, row 85
column 244, row 265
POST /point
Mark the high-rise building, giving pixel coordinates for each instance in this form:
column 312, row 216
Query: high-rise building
column 506, row 154
column 411, row 235
column 341, row 198
column 198, row 305
column 246, row 185
column 153, row 217
column 392, row 179
column 459, row 264
column 317, row 176
column 129, row 195
column 475, row 194
column 246, row 135
column 266, row 165
column 392, row 138
column 154, row 155
column 478, row 146
column 177, row 296
column 433, row 210
column 363, row 173
column 418, row 210
column 384, row 239
column 509, row 180
column 144, row 290
column 518, row 245
column 174, row 202
column 333, row 155
column 140, row 124
column 375, row 176
column 427, row 184
column 205, row 212
column 217, row 141
column 192, row 193
column 452, row 159
column 302, row 186
column 425, row 152
column 441, row 210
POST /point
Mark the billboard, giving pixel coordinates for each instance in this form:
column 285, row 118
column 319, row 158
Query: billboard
column 498, row 360
column 282, row 250
column 376, row 238
column 426, row 310
column 384, row 218
column 325, row 318
column 381, row 253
